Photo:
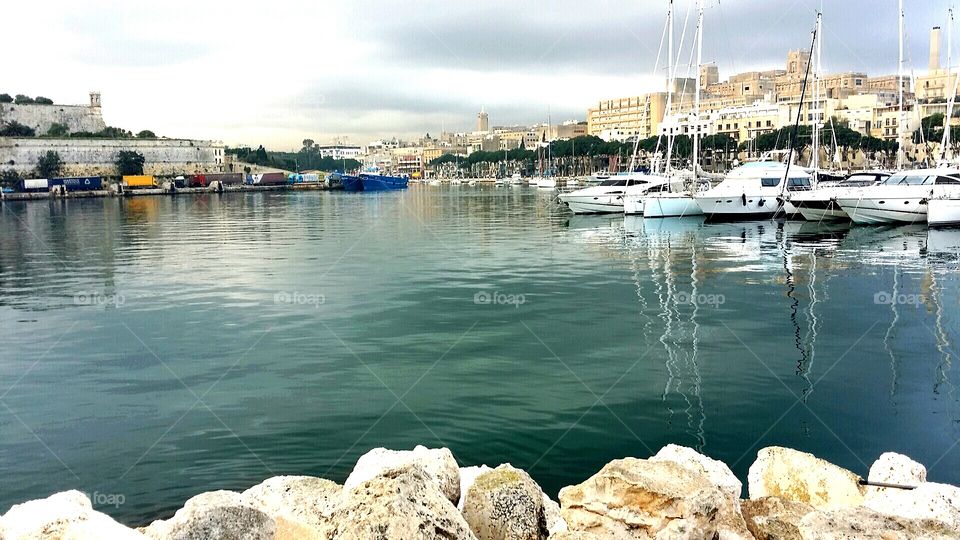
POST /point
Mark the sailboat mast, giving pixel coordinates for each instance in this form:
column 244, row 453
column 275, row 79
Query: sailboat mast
column 696, row 99
column 900, row 126
column 946, row 142
column 669, row 112
column 817, row 119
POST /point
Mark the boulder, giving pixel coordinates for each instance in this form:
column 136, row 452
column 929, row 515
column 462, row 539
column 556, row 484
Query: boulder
column 438, row 463
column 404, row 502
column 551, row 509
column 716, row 471
column 930, row 501
column 802, row 477
column 223, row 515
column 892, row 468
column 64, row 516
column 575, row 535
column 635, row 498
column 774, row 518
column 865, row 524
column 507, row 504
column 467, row 476
column 302, row 506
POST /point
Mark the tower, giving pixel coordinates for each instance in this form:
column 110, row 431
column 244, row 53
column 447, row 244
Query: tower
column 935, row 48
column 95, row 100
column 483, row 121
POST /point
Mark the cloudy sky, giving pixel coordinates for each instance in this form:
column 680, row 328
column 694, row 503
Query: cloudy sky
column 277, row 72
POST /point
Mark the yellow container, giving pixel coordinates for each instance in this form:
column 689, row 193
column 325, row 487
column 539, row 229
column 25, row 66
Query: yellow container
column 139, row 181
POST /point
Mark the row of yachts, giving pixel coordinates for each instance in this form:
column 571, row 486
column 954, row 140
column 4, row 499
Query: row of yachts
column 765, row 189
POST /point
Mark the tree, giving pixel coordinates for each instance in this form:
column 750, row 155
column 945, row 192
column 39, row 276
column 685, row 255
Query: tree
column 9, row 178
column 23, row 100
column 130, row 162
column 307, row 144
column 111, row 132
column 6, row 98
column 58, row 130
column 16, row 129
column 40, row 100
column 49, row 165
column 146, row 134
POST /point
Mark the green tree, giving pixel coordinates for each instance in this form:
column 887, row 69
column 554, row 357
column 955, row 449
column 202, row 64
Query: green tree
column 58, row 130
column 23, row 100
column 16, row 129
column 9, row 178
column 130, row 162
column 40, row 100
column 111, row 132
column 49, row 165
column 146, row 134
column 6, row 98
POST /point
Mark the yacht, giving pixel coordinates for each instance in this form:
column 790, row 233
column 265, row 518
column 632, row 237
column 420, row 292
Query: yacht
column 819, row 204
column 752, row 191
column 944, row 212
column 516, row 179
column 607, row 197
column 635, row 195
column 902, row 197
column 667, row 204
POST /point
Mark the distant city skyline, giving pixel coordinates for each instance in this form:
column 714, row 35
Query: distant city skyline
column 360, row 71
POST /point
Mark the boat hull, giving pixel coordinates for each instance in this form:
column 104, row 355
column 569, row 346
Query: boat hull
column 633, row 206
column 821, row 210
column 875, row 211
column 737, row 207
column 679, row 206
column 378, row 182
column 943, row 212
column 602, row 204
column 351, row 183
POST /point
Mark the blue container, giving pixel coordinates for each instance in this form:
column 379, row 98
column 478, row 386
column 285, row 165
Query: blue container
column 83, row 183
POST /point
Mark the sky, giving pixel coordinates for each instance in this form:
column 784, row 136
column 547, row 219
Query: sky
column 275, row 73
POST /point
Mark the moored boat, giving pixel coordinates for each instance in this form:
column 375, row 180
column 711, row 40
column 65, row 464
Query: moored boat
column 381, row 182
column 751, row 191
column 819, row 204
column 604, row 198
column 902, row 198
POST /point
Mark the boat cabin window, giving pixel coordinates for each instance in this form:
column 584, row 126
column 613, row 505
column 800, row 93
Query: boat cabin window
column 947, row 180
column 860, row 180
column 613, row 183
column 770, row 182
column 908, row 180
column 798, row 184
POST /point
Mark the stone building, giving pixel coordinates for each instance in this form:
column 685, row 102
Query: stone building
column 77, row 118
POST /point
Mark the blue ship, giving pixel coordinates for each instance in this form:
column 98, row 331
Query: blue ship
column 379, row 182
column 351, row 183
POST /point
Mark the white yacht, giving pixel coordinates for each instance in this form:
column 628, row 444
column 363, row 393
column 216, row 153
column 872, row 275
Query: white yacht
column 901, row 198
column 944, row 212
column 666, row 204
column 634, row 196
column 607, row 197
column 752, row 191
column 819, row 204
column 516, row 179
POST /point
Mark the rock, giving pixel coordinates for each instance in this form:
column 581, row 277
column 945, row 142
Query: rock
column 716, row 471
column 467, row 476
column 930, row 501
column 893, row 468
column 634, row 498
column 64, row 516
column 507, row 504
column 439, row 463
column 865, row 524
column 802, row 477
column 575, row 535
column 302, row 506
column 405, row 502
column 774, row 518
column 223, row 515
column 551, row 512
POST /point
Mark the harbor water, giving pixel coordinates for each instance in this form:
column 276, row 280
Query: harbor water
column 159, row 347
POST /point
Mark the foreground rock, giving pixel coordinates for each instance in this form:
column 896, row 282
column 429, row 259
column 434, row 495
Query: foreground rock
column 716, row 471
column 635, row 498
column 438, row 463
column 505, row 503
column 773, row 517
column 931, row 502
column 551, row 509
column 223, row 515
column 399, row 503
column 865, row 524
column 802, row 477
column 68, row 516
column 302, row 506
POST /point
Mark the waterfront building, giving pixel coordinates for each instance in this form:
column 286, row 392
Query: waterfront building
column 41, row 117
column 483, row 122
column 339, row 151
column 623, row 118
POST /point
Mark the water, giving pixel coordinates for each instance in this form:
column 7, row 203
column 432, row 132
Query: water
column 155, row 348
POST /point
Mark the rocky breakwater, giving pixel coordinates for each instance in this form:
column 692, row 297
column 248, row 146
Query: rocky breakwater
column 425, row 494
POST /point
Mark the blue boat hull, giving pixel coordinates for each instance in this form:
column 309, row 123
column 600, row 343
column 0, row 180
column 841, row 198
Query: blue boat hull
column 351, row 183
column 377, row 182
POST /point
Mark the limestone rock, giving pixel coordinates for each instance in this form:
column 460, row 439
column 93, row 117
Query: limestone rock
column 634, row 498
column 404, row 502
column 507, row 504
column 774, row 518
column 223, row 515
column 467, row 476
column 865, row 524
column 575, row 535
column 893, row 468
column 64, row 516
column 439, row 463
column 302, row 506
column 551, row 512
column 802, row 477
column 716, row 471
column 930, row 501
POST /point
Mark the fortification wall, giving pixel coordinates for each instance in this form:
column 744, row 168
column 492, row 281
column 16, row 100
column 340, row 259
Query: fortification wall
column 97, row 157
column 77, row 118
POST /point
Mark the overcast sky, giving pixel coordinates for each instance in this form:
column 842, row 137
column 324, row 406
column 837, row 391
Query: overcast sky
column 277, row 72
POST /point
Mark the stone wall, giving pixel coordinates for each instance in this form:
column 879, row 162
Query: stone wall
column 40, row 117
column 97, row 157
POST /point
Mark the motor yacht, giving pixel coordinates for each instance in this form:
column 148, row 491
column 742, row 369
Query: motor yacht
column 607, row 197
column 901, row 198
column 753, row 191
column 819, row 203
column 634, row 196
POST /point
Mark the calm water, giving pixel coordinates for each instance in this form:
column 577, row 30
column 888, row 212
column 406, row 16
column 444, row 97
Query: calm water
column 155, row 348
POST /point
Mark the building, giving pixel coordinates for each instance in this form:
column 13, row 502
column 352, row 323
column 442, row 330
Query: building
column 483, row 122
column 934, row 89
column 339, row 151
column 623, row 118
column 39, row 117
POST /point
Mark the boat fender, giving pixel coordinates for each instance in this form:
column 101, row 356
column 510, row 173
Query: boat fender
column 743, row 199
column 924, row 202
column 761, row 203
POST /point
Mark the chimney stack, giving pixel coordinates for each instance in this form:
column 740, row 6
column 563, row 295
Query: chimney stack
column 935, row 48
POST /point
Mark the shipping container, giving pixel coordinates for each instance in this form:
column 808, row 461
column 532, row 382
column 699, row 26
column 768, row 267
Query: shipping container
column 227, row 179
column 267, row 179
column 140, row 181
column 35, row 184
column 83, row 183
